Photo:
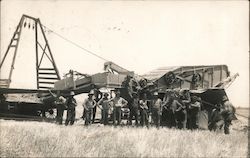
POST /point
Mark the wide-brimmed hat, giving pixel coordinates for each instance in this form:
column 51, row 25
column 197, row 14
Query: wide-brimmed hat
column 72, row 93
column 169, row 90
column 155, row 93
column 183, row 90
column 91, row 93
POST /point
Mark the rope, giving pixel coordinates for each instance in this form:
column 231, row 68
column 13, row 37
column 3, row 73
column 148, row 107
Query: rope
column 75, row 44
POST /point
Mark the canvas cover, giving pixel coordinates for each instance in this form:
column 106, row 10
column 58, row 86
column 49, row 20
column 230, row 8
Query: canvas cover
column 203, row 120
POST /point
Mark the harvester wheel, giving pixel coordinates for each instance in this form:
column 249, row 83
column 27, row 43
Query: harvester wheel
column 50, row 114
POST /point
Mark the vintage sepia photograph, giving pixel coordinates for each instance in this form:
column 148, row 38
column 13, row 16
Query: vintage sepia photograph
column 166, row 78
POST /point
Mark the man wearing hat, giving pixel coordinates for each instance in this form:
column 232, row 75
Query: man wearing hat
column 97, row 96
column 193, row 110
column 60, row 106
column 104, row 105
column 156, row 109
column 144, row 110
column 118, row 102
column 185, row 99
column 228, row 113
column 71, row 110
column 168, row 110
column 134, row 109
column 88, row 104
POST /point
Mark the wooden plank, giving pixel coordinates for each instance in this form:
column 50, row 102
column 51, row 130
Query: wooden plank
column 49, row 69
column 43, row 82
column 66, row 83
column 46, row 73
column 48, row 78
column 45, row 87
column 221, row 69
column 16, row 90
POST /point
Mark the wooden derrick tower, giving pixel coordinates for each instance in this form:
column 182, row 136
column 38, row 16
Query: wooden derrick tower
column 46, row 74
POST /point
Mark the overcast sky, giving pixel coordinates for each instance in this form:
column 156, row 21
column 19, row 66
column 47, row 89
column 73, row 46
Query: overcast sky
column 138, row 35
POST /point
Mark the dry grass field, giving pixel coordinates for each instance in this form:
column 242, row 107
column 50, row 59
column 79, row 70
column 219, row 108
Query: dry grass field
column 41, row 139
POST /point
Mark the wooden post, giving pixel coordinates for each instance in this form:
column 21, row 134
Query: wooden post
column 37, row 66
column 221, row 68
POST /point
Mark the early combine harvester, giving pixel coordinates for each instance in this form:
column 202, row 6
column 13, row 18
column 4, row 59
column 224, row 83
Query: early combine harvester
column 206, row 81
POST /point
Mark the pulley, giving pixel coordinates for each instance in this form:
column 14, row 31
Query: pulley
column 170, row 78
column 24, row 25
column 196, row 77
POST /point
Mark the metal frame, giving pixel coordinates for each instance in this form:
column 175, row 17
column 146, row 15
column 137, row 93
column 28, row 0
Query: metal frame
column 45, row 76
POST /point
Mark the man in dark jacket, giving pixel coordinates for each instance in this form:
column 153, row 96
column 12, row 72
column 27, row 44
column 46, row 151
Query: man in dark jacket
column 193, row 110
column 156, row 109
column 223, row 116
column 134, row 110
column 228, row 113
column 71, row 110
column 144, row 110
column 60, row 102
column 97, row 96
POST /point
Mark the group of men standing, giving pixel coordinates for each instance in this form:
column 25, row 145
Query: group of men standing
column 69, row 103
column 172, row 109
column 105, row 104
